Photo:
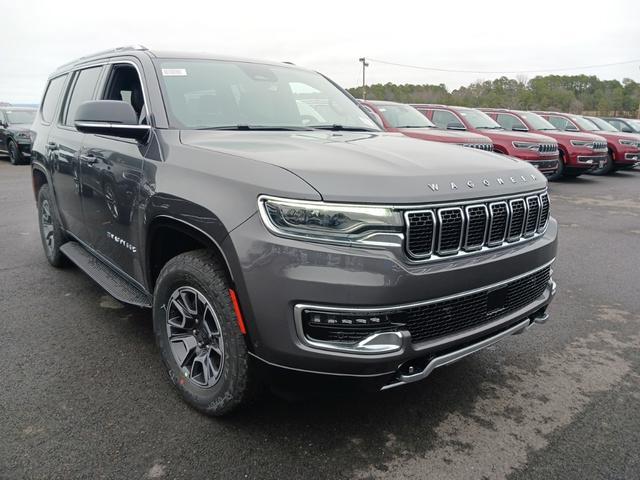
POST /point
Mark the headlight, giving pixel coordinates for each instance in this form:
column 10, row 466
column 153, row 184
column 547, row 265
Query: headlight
column 582, row 143
column 332, row 223
column 526, row 145
column 629, row 143
column 24, row 135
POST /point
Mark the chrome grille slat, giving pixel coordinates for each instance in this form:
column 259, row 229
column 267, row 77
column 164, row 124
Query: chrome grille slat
column 477, row 222
column 544, row 211
column 518, row 214
column 533, row 216
column 499, row 219
column 450, row 228
column 421, row 237
column 445, row 230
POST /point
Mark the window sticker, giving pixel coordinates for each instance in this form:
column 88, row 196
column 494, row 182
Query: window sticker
column 174, row 72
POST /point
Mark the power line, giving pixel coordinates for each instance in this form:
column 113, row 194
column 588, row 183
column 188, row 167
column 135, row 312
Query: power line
column 437, row 69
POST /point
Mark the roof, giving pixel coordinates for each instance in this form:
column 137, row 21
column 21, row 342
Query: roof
column 138, row 50
column 17, row 109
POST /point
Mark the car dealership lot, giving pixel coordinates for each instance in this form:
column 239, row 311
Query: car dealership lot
column 83, row 393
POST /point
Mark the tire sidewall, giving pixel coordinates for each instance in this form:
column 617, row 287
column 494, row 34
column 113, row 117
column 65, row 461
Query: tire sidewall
column 14, row 153
column 55, row 257
column 214, row 399
column 559, row 173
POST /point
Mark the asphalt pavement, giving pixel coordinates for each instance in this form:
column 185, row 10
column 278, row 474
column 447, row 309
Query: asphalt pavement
column 83, row 393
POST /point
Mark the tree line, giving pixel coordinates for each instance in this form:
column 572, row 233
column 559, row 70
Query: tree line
column 566, row 93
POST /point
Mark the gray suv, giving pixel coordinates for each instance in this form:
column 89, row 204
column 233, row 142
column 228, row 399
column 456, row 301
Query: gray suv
column 278, row 235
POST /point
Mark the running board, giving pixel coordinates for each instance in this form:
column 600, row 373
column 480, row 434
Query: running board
column 118, row 287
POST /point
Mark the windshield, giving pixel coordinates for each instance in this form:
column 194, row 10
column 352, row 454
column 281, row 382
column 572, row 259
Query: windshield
column 635, row 124
column 480, row 120
column 584, row 124
column 20, row 116
column 536, row 121
column 209, row 94
column 403, row 116
column 602, row 125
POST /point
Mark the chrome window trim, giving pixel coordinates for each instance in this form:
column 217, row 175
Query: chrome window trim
column 407, row 227
column 504, row 236
column 343, row 350
column 512, row 239
column 452, row 250
column 466, row 246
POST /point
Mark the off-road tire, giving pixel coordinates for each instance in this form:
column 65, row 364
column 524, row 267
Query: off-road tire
column 236, row 384
column 52, row 235
column 15, row 157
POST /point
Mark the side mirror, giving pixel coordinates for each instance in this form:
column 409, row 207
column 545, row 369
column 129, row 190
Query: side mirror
column 455, row 126
column 517, row 128
column 110, row 117
column 626, row 129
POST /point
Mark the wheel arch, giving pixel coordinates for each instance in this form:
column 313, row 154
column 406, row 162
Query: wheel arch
column 168, row 237
column 39, row 178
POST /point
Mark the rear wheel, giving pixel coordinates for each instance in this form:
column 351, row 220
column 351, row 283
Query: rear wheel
column 197, row 331
column 14, row 154
column 606, row 168
column 51, row 232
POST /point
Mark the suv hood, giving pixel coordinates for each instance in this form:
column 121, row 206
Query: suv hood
column 372, row 167
column 444, row 135
column 511, row 136
column 561, row 135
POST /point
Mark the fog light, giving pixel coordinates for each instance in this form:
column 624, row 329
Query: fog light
column 346, row 327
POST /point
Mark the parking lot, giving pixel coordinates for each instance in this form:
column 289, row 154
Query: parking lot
column 83, row 394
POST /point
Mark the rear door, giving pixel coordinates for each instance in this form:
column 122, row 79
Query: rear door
column 112, row 169
column 64, row 145
column 3, row 133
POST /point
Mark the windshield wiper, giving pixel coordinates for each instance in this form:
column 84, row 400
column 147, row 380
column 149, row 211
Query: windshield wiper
column 346, row 128
column 490, row 128
column 413, row 126
column 257, row 127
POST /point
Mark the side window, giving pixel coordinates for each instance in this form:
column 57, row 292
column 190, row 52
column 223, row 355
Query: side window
column 51, row 96
column 83, row 88
column 442, row 118
column 571, row 127
column 558, row 122
column 124, row 84
column 508, row 122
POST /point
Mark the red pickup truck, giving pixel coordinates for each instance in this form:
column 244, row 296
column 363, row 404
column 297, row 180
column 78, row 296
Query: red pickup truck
column 539, row 150
column 623, row 149
column 402, row 118
column 579, row 152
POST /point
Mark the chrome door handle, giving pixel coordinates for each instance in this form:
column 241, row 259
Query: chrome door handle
column 90, row 159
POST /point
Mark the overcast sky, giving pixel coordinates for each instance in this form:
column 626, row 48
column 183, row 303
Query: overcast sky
column 329, row 36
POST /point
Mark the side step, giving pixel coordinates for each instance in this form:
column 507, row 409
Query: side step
column 105, row 276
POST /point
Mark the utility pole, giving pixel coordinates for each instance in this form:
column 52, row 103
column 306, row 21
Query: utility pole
column 364, row 83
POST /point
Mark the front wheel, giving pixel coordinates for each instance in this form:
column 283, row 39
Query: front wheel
column 197, row 331
column 559, row 173
column 606, row 168
column 14, row 153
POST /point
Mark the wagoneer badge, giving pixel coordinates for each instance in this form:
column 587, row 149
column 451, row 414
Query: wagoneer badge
column 486, row 182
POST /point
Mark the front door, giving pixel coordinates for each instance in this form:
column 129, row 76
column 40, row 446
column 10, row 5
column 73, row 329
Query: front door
column 112, row 169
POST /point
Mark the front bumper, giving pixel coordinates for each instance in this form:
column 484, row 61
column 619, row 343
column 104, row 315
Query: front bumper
column 629, row 159
column 25, row 149
column 272, row 275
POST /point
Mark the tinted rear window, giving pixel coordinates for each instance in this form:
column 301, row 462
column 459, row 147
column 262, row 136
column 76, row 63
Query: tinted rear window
column 51, row 97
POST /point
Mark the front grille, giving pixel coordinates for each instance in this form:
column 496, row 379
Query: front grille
column 480, row 146
column 599, row 145
column 448, row 317
column 548, row 148
column 445, row 231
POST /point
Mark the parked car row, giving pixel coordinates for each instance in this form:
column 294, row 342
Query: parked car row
column 557, row 144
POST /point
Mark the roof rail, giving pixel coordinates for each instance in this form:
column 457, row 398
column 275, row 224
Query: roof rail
column 105, row 52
